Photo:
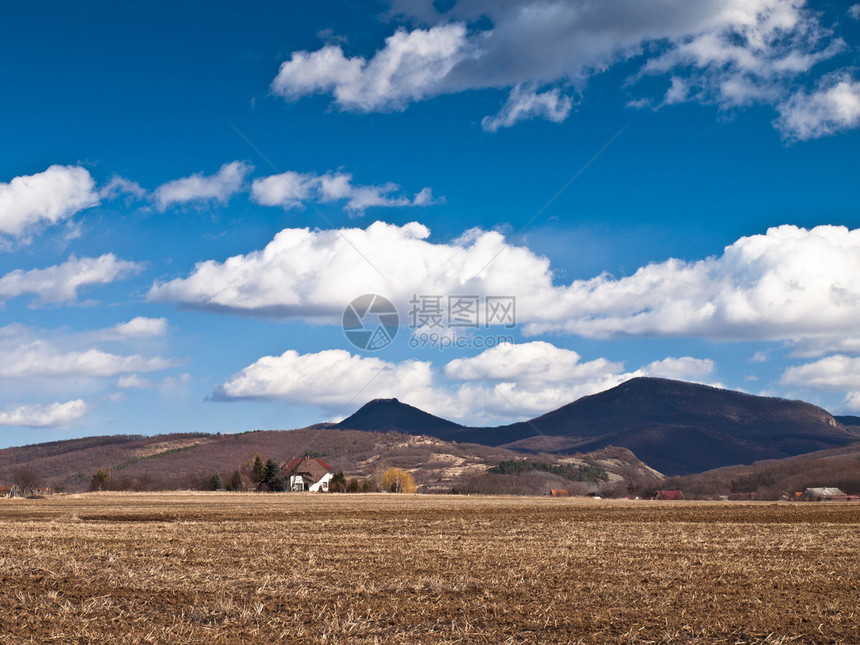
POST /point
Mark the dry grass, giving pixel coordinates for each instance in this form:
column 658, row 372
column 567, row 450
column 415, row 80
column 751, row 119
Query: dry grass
column 245, row 568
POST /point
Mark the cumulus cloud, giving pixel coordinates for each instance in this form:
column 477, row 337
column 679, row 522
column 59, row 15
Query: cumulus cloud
column 328, row 378
column 293, row 190
column 854, row 11
column 729, row 52
column 838, row 372
column 788, row 284
column 411, row 66
column 61, row 283
column 315, row 274
column 43, row 416
column 502, row 383
column 833, row 106
column 30, row 201
column 201, row 188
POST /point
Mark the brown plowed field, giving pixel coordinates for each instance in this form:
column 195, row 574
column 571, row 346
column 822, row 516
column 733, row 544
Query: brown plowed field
column 246, row 568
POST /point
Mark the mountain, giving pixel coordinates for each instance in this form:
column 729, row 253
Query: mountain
column 381, row 415
column 848, row 420
column 673, row 426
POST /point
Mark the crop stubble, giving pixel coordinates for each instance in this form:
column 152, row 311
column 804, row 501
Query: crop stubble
column 242, row 568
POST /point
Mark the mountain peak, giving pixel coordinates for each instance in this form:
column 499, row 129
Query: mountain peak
column 381, row 415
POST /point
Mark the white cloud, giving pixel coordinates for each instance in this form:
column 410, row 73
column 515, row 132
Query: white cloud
column 39, row 358
column 29, row 356
column 854, row 11
column 526, row 103
column 685, row 368
column 121, row 186
column 43, row 416
column 293, row 189
column 30, row 201
column 220, row 187
column 61, row 283
column 410, row 67
column 140, row 327
column 502, row 383
column 315, row 274
column 838, row 372
column 729, row 52
column 329, row 378
column 169, row 384
column 788, row 284
column 512, row 380
column 134, row 381
column 536, row 362
column 833, row 106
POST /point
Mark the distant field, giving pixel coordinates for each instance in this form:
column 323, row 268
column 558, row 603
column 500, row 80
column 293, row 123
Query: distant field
column 257, row 568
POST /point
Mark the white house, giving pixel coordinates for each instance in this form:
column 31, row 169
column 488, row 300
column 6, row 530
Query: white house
column 307, row 474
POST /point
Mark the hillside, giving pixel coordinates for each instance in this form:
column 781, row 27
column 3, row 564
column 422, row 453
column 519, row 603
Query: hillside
column 839, row 467
column 189, row 461
column 673, row 426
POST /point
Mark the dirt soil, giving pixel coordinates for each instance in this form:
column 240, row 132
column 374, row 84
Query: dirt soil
column 290, row 568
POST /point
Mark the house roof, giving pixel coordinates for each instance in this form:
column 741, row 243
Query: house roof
column 670, row 494
column 824, row 492
column 312, row 467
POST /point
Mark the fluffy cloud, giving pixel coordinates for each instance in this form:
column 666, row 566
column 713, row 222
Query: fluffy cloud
column 411, row 66
column 60, row 283
column 45, row 198
column 140, row 327
column 315, row 274
column 684, row 368
column 833, row 106
column 502, row 383
column 43, row 416
column 838, row 372
column 204, row 188
column 293, row 190
column 788, row 284
column 729, row 52
column 330, row 378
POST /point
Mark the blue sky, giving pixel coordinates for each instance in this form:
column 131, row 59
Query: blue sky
column 190, row 199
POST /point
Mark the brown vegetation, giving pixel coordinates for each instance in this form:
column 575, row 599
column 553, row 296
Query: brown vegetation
column 170, row 462
column 244, row 568
column 768, row 480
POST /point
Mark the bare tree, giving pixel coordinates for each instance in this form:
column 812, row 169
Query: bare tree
column 26, row 480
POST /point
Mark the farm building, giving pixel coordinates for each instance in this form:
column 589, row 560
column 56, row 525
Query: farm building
column 669, row 495
column 824, row 494
column 8, row 491
column 307, row 474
